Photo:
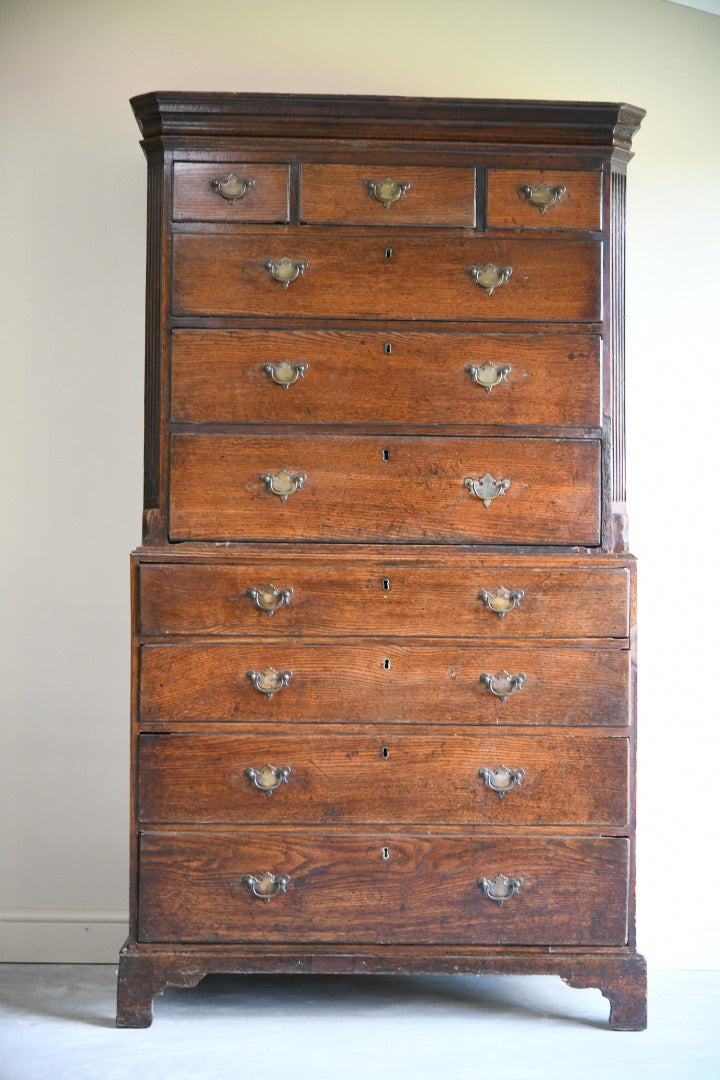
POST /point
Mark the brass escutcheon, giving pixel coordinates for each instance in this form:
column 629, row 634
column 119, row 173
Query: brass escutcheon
column 232, row 187
column 542, row 195
column 387, row 191
column 268, row 778
column 503, row 684
column 501, row 600
column 269, row 681
column 285, row 269
column 488, row 375
column 265, row 886
column 269, row 598
column 285, row 373
column 500, row 888
column 486, row 488
column 283, row 483
column 490, row 277
column 501, row 779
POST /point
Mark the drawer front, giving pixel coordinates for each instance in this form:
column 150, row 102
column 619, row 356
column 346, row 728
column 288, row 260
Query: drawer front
column 424, row 278
column 384, row 683
column 324, row 777
column 534, row 199
column 230, row 191
column 330, row 377
column 377, row 489
column 413, row 600
column 387, row 195
column 380, row 888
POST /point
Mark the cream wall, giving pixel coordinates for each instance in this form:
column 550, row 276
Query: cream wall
column 72, row 335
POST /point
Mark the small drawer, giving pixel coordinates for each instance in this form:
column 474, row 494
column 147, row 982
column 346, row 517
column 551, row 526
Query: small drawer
column 387, row 195
column 317, row 776
column 395, row 377
column 283, row 682
column 230, row 191
column 396, row 888
column 330, row 273
column 534, row 199
column 285, row 597
column 370, row 488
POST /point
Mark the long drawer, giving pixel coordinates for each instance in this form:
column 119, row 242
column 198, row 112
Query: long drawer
column 385, row 276
column 285, row 596
column 376, row 488
column 384, row 682
column 319, row 776
column 395, row 377
column 395, row 888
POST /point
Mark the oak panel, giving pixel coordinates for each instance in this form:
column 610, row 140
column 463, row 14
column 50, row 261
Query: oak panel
column 416, row 889
column 379, row 488
column 393, row 377
column 351, row 276
column 578, row 208
column 433, row 599
column 195, row 200
column 384, row 682
column 336, row 194
column 383, row 778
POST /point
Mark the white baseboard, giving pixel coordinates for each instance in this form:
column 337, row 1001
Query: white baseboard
column 61, row 936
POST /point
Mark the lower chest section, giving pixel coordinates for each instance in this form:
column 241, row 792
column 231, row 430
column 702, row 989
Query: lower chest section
column 392, row 748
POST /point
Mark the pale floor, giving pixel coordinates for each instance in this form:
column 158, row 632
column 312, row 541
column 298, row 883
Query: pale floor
column 57, row 1023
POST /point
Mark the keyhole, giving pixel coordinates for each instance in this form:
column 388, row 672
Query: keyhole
column 386, row 663
column 386, row 853
column 387, row 348
column 388, row 253
column 385, row 751
column 386, row 584
column 386, row 455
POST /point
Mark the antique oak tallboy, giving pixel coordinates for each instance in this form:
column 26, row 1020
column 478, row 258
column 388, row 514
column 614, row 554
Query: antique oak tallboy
column 383, row 611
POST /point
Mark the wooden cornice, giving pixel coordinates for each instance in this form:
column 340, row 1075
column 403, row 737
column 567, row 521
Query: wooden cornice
column 182, row 115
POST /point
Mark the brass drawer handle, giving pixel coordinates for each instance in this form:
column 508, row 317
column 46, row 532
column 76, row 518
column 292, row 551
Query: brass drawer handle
column 283, row 484
column 488, row 375
column 285, row 270
column 266, row 885
column 500, row 888
column 490, row 277
column 269, row 681
column 285, row 373
column 387, row 191
column 542, row 195
column 268, row 779
column 501, row 600
column 501, row 779
column 232, row 187
column 486, row 488
column 269, row 598
column 503, row 684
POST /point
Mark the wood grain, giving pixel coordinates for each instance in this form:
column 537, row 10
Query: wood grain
column 579, row 207
column 573, row 891
column 384, row 826
column 194, row 199
column 380, row 778
column 336, row 194
column 384, row 489
column 439, row 598
column 218, row 376
column 350, row 275
column 384, row 682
